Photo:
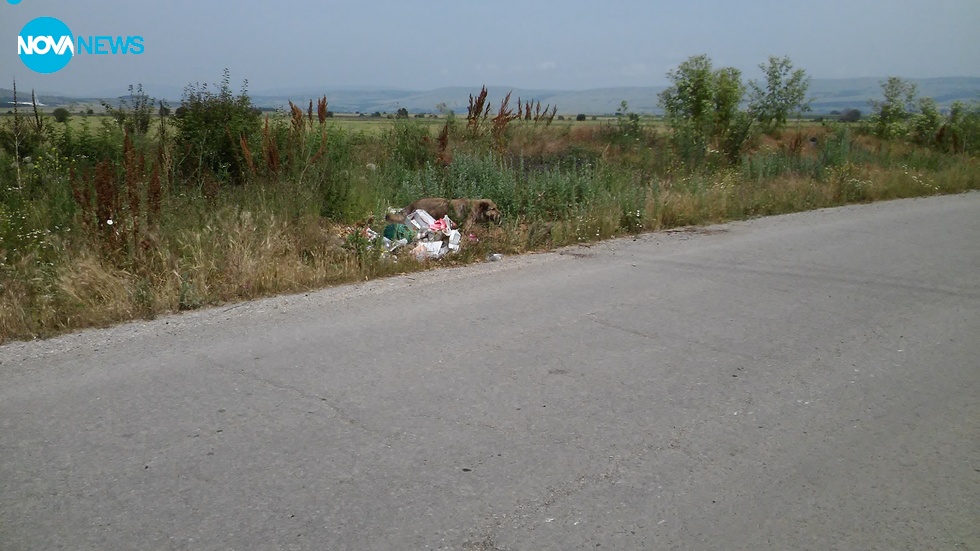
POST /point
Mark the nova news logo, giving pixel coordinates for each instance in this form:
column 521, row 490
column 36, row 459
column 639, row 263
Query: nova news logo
column 46, row 45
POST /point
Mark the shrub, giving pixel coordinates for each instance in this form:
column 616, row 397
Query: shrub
column 210, row 128
column 627, row 131
column 23, row 136
column 961, row 132
column 133, row 114
column 61, row 114
column 409, row 143
column 85, row 146
column 890, row 117
column 925, row 124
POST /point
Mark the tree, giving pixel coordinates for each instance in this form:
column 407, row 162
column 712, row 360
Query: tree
column 689, row 102
column 728, row 94
column 890, row 117
column 784, row 92
column 402, row 113
column 61, row 114
column 580, row 117
column 961, row 133
column 925, row 125
column 849, row 115
column 702, row 106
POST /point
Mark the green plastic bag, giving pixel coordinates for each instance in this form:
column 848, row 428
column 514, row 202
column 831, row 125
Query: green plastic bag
column 398, row 231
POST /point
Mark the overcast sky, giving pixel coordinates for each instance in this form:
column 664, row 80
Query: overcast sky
column 536, row 44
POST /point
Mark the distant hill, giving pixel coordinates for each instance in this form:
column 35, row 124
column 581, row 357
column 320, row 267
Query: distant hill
column 855, row 93
column 828, row 95
column 43, row 100
column 597, row 101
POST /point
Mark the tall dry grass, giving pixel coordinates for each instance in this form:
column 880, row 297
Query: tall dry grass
column 177, row 244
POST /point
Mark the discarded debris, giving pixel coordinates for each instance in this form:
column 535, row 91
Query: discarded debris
column 421, row 235
column 399, row 231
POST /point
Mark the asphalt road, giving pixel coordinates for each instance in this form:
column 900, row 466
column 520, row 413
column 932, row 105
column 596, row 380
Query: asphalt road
column 799, row 382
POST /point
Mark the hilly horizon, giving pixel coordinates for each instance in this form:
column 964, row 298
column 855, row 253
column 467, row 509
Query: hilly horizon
column 827, row 95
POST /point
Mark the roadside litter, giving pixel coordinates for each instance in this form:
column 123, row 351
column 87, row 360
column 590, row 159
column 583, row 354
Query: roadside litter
column 421, row 235
column 436, row 238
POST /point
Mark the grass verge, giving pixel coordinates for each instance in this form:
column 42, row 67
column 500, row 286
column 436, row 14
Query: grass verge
column 88, row 244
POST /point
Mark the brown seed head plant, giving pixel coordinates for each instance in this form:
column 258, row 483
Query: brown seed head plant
column 321, row 110
column 321, row 116
column 106, row 202
column 270, row 148
column 247, row 153
column 478, row 111
column 297, row 118
column 134, row 165
column 82, row 194
column 443, row 153
column 504, row 116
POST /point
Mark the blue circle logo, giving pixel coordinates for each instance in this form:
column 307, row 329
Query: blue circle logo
column 13, row 2
column 45, row 45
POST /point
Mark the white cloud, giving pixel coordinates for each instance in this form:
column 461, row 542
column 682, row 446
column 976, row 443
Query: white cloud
column 547, row 66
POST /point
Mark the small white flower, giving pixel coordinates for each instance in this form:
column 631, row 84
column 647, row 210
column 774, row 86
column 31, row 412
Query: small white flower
column 109, row 221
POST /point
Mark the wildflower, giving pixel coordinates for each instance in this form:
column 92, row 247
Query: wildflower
column 109, row 221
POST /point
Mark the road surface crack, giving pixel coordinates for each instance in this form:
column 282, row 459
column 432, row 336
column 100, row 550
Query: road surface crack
column 320, row 400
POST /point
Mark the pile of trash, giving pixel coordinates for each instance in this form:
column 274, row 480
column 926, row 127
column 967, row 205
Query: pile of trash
column 420, row 235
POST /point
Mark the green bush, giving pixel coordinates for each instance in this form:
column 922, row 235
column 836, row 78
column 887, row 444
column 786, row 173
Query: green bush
column 890, row 116
column 209, row 128
column 21, row 137
column 409, row 143
column 627, row 132
column 925, row 124
column 961, row 131
column 133, row 114
column 61, row 114
column 87, row 146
